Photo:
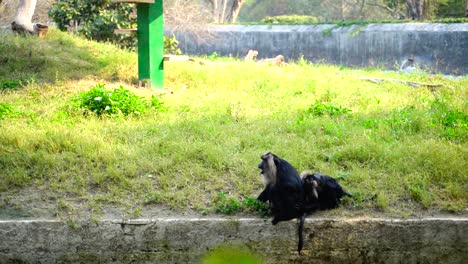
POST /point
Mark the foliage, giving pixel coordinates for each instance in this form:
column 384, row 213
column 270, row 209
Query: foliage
column 290, row 20
column 256, row 205
column 328, row 11
column 229, row 205
column 120, row 101
column 319, row 109
column 6, row 110
column 451, row 8
column 152, row 197
column 171, row 45
column 9, row 84
column 97, row 20
column 226, row 204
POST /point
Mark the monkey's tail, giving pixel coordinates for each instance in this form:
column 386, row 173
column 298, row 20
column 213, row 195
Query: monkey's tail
column 300, row 244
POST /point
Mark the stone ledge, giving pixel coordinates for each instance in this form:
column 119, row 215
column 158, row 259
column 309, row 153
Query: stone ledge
column 185, row 240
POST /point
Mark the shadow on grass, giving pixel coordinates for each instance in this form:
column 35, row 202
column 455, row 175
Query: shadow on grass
column 56, row 57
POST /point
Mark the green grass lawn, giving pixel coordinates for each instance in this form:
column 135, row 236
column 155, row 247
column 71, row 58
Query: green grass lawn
column 400, row 150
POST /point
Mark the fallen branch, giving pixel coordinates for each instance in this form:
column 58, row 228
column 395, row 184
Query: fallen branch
column 410, row 83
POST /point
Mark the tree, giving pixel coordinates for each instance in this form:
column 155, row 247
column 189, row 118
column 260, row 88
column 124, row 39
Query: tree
column 225, row 10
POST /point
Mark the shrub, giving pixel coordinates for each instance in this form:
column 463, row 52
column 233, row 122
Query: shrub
column 119, row 101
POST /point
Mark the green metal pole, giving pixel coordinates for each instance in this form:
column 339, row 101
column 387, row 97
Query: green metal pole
column 151, row 44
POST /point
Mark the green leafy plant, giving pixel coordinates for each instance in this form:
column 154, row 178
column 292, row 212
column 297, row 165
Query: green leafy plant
column 152, row 198
column 157, row 104
column 171, row 45
column 6, row 110
column 120, row 101
column 320, row 109
column 213, row 56
column 256, row 205
column 226, row 204
column 420, row 194
column 453, row 122
column 9, row 84
column 95, row 19
column 98, row 19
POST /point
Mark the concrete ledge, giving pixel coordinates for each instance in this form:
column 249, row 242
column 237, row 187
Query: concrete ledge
column 185, row 240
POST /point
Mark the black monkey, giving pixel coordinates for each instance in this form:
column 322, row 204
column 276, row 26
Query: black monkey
column 321, row 192
column 283, row 188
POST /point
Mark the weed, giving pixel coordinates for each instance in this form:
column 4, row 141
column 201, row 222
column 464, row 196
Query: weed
column 401, row 121
column 454, row 207
column 320, row 109
column 120, row 101
column 453, row 121
column 9, row 84
column 8, row 111
column 226, row 204
column 421, row 195
column 327, row 32
column 157, row 103
column 381, row 201
column 213, row 56
column 256, row 206
column 152, row 198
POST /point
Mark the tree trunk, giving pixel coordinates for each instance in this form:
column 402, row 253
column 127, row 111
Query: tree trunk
column 225, row 10
column 466, row 8
column 234, row 11
column 414, row 9
column 24, row 13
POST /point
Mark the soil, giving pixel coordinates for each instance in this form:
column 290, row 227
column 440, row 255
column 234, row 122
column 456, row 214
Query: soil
column 33, row 203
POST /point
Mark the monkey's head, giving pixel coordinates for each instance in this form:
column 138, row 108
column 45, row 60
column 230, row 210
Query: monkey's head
column 311, row 184
column 268, row 168
column 279, row 59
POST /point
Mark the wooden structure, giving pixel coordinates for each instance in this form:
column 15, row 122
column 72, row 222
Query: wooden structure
column 150, row 34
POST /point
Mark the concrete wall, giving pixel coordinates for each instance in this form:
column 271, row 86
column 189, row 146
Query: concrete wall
column 186, row 240
column 439, row 47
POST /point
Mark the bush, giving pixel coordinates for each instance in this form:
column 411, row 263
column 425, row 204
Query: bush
column 120, row 101
column 97, row 20
column 290, row 20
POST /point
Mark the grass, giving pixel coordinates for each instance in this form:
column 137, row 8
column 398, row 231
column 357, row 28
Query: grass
column 398, row 149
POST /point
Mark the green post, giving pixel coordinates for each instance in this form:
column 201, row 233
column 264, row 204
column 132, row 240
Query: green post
column 151, row 44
